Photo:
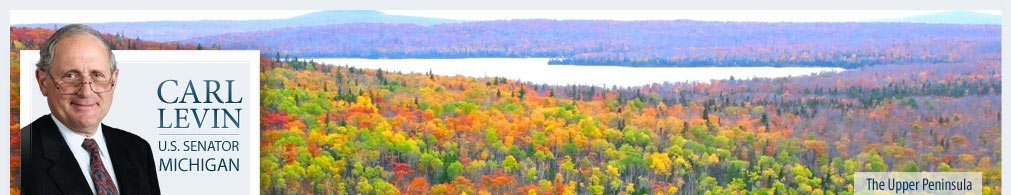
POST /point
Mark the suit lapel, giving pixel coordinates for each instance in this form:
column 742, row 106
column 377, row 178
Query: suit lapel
column 63, row 169
column 118, row 152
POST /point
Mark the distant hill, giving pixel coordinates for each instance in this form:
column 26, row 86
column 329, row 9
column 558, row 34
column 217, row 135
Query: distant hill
column 949, row 17
column 681, row 43
column 179, row 30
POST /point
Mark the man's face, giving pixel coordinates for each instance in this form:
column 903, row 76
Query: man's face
column 78, row 58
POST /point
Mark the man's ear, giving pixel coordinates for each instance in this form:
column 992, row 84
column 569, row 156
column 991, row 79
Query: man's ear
column 115, row 77
column 40, row 76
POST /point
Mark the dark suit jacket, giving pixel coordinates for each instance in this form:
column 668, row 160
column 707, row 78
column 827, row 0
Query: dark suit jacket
column 48, row 166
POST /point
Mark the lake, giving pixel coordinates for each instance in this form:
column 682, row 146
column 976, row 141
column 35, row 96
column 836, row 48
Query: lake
column 537, row 70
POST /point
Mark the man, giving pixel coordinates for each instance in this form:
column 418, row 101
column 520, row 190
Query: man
column 70, row 151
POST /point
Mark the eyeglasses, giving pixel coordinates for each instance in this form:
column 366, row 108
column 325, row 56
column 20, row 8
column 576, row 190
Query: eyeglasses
column 73, row 85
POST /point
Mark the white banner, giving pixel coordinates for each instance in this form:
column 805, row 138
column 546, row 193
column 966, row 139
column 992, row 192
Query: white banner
column 199, row 111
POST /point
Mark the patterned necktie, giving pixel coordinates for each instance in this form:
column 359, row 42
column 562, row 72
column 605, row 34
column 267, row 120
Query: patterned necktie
column 103, row 182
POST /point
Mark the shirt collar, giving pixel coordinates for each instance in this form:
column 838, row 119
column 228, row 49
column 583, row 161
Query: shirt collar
column 74, row 139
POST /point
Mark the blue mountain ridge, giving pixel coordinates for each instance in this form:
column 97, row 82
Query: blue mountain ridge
column 949, row 17
column 180, row 30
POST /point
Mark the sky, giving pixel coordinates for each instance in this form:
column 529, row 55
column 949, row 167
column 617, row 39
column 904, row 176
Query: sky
column 97, row 16
column 707, row 15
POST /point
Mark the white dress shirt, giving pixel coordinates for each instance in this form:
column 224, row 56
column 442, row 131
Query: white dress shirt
column 74, row 141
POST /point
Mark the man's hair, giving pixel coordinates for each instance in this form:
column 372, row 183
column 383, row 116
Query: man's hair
column 49, row 47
